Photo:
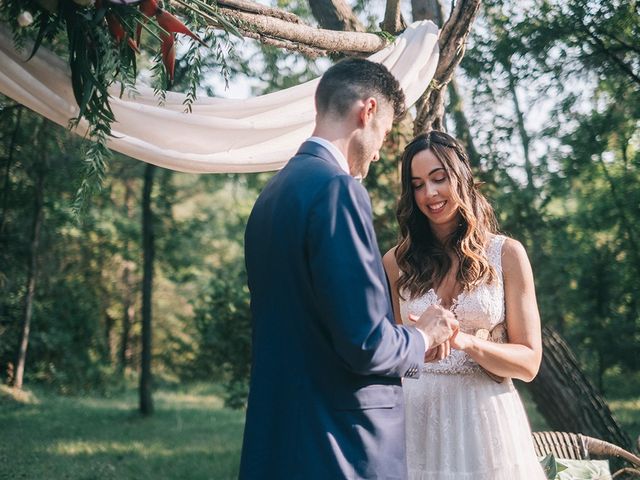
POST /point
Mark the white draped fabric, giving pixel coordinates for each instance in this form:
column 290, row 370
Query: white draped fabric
column 220, row 135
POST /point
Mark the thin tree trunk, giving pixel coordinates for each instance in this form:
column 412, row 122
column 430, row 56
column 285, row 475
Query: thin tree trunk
column 146, row 398
column 463, row 133
column 109, row 337
column 567, row 399
column 128, row 317
column 524, row 136
column 534, row 221
column 38, row 217
column 5, row 188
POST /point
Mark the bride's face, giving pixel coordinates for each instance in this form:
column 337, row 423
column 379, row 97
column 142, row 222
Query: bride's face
column 432, row 189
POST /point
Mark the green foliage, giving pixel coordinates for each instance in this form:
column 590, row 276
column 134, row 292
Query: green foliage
column 224, row 323
column 100, row 41
column 565, row 182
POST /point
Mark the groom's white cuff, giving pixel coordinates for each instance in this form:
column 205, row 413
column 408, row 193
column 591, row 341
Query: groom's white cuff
column 426, row 340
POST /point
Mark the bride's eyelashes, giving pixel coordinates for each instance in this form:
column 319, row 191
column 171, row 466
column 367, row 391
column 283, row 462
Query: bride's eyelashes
column 418, row 186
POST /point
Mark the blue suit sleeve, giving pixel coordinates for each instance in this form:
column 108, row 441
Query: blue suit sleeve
column 350, row 287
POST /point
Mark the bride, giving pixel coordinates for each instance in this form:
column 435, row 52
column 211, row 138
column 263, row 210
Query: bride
column 464, row 418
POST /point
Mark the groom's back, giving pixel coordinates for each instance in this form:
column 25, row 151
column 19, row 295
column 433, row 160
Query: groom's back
column 316, row 410
column 284, row 330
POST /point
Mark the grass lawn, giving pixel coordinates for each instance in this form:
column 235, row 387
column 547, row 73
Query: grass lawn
column 190, row 436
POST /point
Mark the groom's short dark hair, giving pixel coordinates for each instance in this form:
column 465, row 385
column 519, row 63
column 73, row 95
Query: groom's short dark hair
column 356, row 79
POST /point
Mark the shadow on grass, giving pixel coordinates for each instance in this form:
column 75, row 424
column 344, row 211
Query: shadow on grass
column 190, row 436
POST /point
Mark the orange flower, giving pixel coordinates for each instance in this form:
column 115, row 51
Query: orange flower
column 172, row 25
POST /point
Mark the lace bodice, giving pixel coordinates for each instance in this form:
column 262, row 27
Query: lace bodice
column 480, row 308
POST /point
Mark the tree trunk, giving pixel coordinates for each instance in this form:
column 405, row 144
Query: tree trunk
column 428, row 10
column 335, row 15
column 146, row 399
column 128, row 307
column 128, row 317
column 7, row 172
column 31, row 280
column 393, row 21
column 567, row 399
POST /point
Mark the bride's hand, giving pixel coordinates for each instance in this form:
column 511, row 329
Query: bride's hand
column 460, row 340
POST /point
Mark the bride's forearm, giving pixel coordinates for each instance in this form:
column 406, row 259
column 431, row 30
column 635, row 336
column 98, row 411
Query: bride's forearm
column 504, row 359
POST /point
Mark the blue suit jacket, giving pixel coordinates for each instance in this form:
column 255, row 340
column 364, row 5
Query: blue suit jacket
column 325, row 398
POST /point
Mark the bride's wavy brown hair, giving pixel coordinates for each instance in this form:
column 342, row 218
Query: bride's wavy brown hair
column 421, row 257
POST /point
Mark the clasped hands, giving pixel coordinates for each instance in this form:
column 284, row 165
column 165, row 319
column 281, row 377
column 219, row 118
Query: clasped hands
column 443, row 330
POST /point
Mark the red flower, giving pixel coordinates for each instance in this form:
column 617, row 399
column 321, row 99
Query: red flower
column 168, row 50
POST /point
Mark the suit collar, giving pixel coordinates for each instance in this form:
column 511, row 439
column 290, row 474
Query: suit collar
column 310, row 147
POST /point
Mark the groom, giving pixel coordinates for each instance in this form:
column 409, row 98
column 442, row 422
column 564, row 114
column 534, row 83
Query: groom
column 325, row 398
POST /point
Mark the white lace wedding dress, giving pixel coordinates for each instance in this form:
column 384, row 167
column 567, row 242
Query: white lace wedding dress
column 462, row 425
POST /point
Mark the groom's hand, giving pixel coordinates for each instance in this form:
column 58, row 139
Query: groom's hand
column 438, row 353
column 437, row 323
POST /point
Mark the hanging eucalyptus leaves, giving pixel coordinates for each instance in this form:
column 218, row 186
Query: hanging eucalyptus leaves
column 103, row 39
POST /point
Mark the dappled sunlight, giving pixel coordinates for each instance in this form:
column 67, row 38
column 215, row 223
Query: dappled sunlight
column 142, row 449
column 631, row 404
column 188, row 400
column 107, row 403
column 19, row 396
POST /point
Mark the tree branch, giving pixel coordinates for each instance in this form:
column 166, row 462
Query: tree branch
column 280, row 26
column 309, row 52
column 452, row 40
column 251, row 7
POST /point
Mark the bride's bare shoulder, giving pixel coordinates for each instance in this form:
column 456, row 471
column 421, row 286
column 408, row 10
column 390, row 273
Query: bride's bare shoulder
column 390, row 263
column 515, row 260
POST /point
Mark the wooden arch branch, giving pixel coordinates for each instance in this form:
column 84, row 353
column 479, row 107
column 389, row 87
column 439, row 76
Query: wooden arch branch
column 286, row 30
column 453, row 37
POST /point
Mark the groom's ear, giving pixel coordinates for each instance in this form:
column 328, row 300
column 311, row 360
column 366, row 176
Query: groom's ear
column 368, row 110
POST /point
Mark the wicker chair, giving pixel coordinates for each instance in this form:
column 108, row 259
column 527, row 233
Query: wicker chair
column 574, row 446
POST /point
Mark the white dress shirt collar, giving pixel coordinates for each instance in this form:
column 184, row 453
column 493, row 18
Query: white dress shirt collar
column 337, row 154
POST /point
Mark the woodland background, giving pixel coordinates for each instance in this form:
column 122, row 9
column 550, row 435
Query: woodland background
column 547, row 100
